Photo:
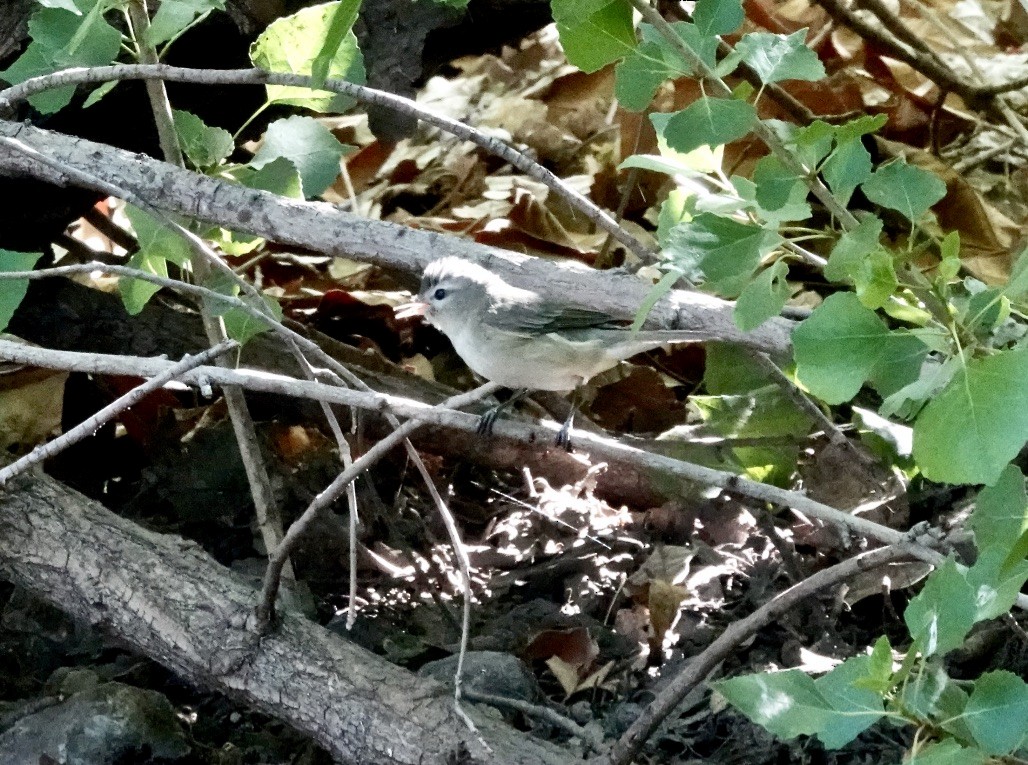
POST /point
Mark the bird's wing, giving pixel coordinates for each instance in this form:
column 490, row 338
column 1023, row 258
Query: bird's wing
column 543, row 317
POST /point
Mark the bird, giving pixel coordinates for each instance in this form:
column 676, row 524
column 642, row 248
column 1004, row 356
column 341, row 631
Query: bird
column 523, row 341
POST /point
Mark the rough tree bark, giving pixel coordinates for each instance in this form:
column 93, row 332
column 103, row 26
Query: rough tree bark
column 172, row 602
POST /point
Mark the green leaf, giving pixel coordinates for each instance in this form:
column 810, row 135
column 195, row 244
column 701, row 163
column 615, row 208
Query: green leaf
column 780, row 57
column 899, row 364
column 717, row 17
column 742, row 404
column 637, row 78
column 728, row 251
column 996, row 578
column 908, row 400
column 941, row 615
column 852, row 248
column 948, row 752
column 857, row 708
column 775, row 183
column 136, row 293
column 309, row 145
column 343, row 18
column 848, row 166
column 63, row 39
column 969, row 432
column 655, row 60
column 997, row 712
column 158, row 239
column 707, row 122
column 292, row 44
column 986, row 310
column 591, row 42
column 658, row 291
column 672, row 212
column 1000, row 516
column 1017, row 287
column 794, row 208
column 157, row 245
column 875, row 279
column 173, row 16
column 842, row 345
column 571, row 10
column 788, row 704
column 905, row 188
column 762, row 298
column 98, row 93
column 925, row 689
column 204, row 146
column 861, row 126
column 878, row 677
column 279, row 177
column 12, row 291
column 242, row 327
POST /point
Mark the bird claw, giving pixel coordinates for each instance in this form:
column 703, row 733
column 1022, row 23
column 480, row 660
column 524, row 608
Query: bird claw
column 563, row 439
column 485, row 424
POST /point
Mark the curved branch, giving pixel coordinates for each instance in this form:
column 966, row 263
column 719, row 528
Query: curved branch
column 83, row 76
column 699, row 667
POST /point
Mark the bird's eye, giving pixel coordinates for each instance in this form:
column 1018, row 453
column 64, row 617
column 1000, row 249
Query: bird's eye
column 439, row 294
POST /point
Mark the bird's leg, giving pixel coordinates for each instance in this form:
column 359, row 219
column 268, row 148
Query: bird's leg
column 485, row 425
column 563, row 439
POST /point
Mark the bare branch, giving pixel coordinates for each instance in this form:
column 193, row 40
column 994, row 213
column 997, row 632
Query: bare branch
column 82, row 76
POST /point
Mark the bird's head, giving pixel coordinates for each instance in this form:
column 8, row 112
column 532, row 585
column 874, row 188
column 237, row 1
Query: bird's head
column 453, row 292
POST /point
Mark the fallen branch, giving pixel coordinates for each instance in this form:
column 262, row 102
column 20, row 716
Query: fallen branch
column 173, row 603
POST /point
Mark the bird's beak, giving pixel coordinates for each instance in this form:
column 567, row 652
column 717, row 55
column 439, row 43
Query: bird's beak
column 414, row 308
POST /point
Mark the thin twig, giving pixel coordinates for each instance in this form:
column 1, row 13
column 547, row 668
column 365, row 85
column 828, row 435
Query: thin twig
column 346, row 456
column 537, row 710
column 901, row 31
column 929, row 65
column 699, row 667
column 83, row 76
column 90, row 425
column 109, row 229
column 330, row 493
column 606, row 449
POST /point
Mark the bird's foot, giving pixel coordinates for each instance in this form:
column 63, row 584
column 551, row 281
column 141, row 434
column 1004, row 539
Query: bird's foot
column 485, row 424
column 563, row 439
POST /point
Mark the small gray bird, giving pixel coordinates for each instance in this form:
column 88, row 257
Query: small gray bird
column 521, row 340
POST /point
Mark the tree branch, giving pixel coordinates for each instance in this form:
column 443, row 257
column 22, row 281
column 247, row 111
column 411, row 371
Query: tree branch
column 173, row 603
column 327, row 229
column 81, row 76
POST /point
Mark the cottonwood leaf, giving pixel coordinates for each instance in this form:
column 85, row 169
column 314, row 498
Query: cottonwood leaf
column 293, row 43
column 309, row 145
column 707, row 122
column 904, row 188
column 997, row 712
column 780, row 57
column 978, row 423
column 12, row 291
column 593, row 41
